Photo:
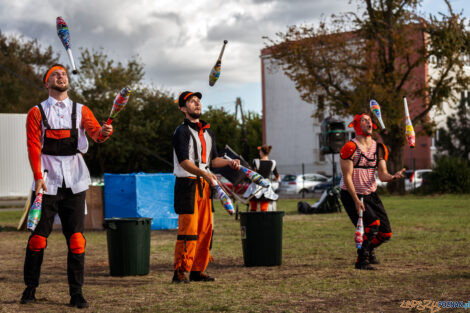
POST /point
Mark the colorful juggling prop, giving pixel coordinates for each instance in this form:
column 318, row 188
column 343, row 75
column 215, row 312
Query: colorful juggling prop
column 64, row 36
column 224, row 199
column 409, row 130
column 252, row 175
column 359, row 233
column 375, row 108
column 119, row 103
column 36, row 209
column 215, row 71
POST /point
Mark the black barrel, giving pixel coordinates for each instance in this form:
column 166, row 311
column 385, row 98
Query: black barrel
column 261, row 238
column 128, row 245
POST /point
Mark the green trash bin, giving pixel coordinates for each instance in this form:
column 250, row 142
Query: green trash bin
column 128, row 245
column 261, row 238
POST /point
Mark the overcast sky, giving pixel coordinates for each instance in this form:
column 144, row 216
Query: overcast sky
column 179, row 41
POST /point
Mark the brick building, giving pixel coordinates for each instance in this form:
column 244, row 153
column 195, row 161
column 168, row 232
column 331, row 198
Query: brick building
column 295, row 135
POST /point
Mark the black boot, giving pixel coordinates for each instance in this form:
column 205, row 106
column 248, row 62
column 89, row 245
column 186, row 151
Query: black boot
column 78, row 301
column 372, row 257
column 362, row 262
column 179, row 277
column 199, row 276
column 28, row 295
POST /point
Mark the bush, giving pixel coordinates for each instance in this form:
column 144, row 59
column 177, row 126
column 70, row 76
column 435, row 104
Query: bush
column 449, row 175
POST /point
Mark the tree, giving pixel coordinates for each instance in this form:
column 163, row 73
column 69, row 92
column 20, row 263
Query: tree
column 454, row 140
column 142, row 139
column 254, row 130
column 22, row 65
column 226, row 128
column 228, row 131
column 381, row 55
column 449, row 175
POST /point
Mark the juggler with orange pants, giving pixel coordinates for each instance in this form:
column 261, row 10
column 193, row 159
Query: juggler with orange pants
column 194, row 153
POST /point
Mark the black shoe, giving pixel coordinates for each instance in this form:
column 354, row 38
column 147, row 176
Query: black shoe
column 364, row 265
column 373, row 258
column 179, row 277
column 198, row 276
column 28, row 295
column 78, row 301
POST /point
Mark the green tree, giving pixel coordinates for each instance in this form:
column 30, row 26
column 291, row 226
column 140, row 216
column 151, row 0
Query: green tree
column 226, row 128
column 254, row 134
column 449, row 175
column 22, row 65
column 454, row 140
column 142, row 139
column 228, row 131
column 381, row 55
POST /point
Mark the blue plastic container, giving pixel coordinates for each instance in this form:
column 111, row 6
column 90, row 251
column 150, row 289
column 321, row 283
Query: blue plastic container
column 141, row 195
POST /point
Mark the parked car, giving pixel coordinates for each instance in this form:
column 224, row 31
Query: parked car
column 414, row 179
column 329, row 183
column 294, row 184
column 239, row 189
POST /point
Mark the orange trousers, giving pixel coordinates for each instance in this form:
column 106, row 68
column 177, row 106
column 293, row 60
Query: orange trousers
column 195, row 234
column 263, row 205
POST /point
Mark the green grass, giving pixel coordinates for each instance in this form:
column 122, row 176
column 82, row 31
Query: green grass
column 427, row 258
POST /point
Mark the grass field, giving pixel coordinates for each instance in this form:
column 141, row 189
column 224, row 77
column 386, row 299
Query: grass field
column 428, row 258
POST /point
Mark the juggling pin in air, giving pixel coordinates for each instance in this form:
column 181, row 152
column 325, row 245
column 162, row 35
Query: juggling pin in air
column 359, row 233
column 409, row 130
column 64, row 36
column 215, row 71
column 36, row 209
column 224, row 199
column 252, row 175
column 375, row 108
column 119, row 103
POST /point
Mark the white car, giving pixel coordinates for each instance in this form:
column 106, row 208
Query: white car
column 414, row 179
column 295, row 184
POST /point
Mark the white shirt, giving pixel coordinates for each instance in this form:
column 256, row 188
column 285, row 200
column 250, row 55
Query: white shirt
column 70, row 168
column 188, row 143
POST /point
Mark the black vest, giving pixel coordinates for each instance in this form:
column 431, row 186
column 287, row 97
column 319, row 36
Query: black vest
column 60, row 141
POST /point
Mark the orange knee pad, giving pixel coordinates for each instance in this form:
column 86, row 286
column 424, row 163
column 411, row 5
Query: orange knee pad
column 36, row 243
column 77, row 243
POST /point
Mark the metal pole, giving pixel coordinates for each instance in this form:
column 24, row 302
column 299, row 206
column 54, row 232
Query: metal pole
column 303, row 180
column 334, row 168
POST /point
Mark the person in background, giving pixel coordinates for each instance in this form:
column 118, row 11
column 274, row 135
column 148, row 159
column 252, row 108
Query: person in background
column 264, row 196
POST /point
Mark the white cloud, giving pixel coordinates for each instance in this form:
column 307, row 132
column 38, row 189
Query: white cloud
column 178, row 41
